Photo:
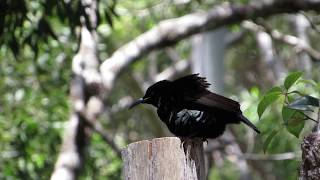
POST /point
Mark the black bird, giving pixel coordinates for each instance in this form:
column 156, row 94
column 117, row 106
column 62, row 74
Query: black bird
column 190, row 110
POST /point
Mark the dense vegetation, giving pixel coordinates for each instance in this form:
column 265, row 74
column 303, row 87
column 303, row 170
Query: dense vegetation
column 38, row 40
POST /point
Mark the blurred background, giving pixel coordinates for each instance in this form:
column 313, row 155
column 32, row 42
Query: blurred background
column 42, row 48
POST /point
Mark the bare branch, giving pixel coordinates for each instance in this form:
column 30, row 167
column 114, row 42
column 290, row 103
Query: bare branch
column 122, row 103
column 70, row 159
column 269, row 157
column 224, row 142
column 300, row 44
column 300, row 26
column 86, row 88
column 172, row 31
column 312, row 24
column 97, row 127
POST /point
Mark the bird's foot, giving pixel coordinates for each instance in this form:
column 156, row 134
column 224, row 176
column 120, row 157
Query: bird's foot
column 204, row 140
column 183, row 141
column 188, row 140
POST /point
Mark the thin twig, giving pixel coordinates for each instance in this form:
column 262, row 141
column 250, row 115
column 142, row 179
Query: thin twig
column 269, row 157
column 300, row 44
column 310, row 118
column 313, row 26
column 97, row 127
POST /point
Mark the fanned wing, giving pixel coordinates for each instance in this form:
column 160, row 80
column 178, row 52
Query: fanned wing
column 191, row 86
column 215, row 101
column 194, row 90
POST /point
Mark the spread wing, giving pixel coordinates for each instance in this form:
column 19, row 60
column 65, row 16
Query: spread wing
column 215, row 101
column 193, row 89
column 191, row 86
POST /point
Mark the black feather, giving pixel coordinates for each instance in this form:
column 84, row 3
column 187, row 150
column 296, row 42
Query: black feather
column 190, row 110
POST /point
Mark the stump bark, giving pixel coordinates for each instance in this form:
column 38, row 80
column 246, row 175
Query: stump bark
column 164, row 158
column 310, row 165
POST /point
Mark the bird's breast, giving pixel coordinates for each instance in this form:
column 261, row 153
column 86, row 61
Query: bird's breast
column 183, row 117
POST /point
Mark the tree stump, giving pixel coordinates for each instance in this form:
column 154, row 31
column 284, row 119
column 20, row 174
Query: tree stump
column 164, row 158
column 310, row 165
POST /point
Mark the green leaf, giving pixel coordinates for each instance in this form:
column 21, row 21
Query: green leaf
column 291, row 79
column 294, row 120
column 235, row 28
column 254, row 92
column 276, row 89
column 318, row 87
column 296, row 124
column 307, row 81
column 266, row 101
column 287, row 114
column 303, row 103
column 269, row 138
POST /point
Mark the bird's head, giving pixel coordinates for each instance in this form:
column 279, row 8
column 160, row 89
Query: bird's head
column 154, row 94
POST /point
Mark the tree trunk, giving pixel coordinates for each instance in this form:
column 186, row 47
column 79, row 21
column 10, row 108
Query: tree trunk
column 164, row 158
column 300, row 26
column 208, row 57
column 309, row 169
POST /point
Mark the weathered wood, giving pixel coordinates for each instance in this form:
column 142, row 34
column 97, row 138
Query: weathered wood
column 310, row 165
column 164, row 158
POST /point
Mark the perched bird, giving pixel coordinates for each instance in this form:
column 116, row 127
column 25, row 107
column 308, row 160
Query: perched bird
column 189, row 109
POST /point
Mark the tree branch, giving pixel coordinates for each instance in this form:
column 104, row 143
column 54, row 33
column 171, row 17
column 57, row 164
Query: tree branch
column 269, row 157
column 300, row 44
column 85, row 92
column 166, row 32
column 312, row 24
column 71, row 157
column 300, row 26
column 97, row 127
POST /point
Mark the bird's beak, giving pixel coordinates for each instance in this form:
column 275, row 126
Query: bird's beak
column 137, row 102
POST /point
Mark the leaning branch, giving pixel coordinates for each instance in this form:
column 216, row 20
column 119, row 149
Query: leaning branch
column 171, row 31
column 300, row 44
column 269, row 157
column 97, row 127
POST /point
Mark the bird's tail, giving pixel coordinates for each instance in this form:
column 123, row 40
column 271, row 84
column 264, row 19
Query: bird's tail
column 247, row 122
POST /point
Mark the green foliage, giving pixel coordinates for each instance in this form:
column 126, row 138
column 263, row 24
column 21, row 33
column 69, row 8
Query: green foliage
column 291, row 79
column 221, row 174
column 296, row 123
column 38, row 40
column 268, row 99
column 30, row 23
column 31, row 125
column 269, row 139
column 102, row 162
column 295, row 105
column 287, row 114
column 37, row 43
